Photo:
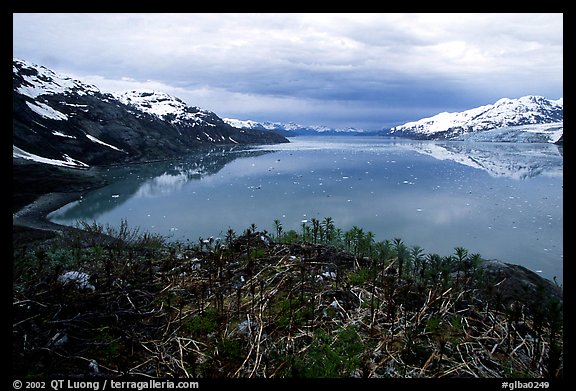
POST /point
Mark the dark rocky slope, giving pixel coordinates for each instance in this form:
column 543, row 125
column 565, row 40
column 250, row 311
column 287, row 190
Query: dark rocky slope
column 56, row 117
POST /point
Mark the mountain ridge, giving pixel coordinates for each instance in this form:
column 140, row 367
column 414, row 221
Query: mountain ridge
column 507, row 119
column 62, row 121
column 292, row 129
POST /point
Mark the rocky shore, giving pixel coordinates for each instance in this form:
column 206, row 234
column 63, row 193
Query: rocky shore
column 34, row 215
column 40, row 189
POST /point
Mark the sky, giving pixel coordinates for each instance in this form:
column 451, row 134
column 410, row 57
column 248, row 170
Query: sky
column 369, row 71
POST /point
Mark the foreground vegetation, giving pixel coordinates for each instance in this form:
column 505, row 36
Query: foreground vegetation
column 316, row 303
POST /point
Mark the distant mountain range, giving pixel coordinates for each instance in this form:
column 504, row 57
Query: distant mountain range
column 292, row 129
column 526, row 119
column 62, row 121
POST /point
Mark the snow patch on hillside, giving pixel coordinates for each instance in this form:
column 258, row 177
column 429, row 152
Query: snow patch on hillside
column 46, row 111
column 67, row 162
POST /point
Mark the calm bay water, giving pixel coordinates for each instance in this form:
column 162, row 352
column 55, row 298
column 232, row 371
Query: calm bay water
column 500, row 200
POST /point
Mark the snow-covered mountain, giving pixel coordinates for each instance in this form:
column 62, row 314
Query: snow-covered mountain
column 62, row 121
column 167, row 108
column 526, row 119
column 291, row 129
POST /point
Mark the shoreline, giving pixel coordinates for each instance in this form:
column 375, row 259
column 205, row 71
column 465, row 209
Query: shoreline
column 35, row 214
column 31, row 223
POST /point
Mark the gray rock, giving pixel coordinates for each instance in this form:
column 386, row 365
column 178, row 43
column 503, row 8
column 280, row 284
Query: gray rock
column 517, row 283
column 78, row 279
column 346, row 299
column 247, row 327
column 93, row 365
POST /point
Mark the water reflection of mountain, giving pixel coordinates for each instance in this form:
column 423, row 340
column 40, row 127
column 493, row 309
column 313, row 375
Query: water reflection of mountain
column 512, row 160
column 151, row 180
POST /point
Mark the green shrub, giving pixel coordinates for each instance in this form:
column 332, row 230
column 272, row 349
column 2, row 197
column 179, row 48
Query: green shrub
column 329, row 357
column 202, row 324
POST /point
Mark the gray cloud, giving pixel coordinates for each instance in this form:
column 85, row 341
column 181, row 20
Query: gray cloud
column 364, row 70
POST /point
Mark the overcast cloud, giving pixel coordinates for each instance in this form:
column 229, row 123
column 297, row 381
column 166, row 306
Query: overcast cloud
column 369, row 71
